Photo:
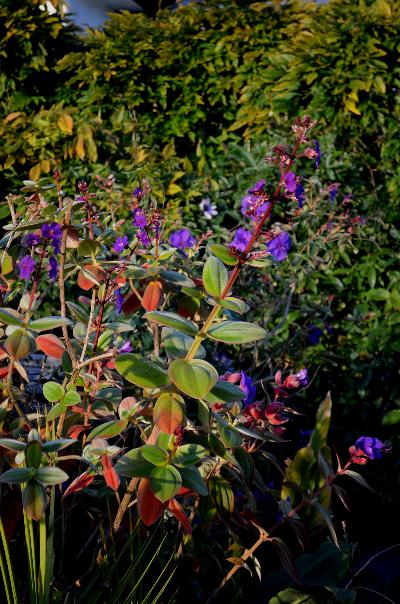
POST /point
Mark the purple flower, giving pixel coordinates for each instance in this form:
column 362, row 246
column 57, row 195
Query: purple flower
column 371, row 447
column 182, row 239
column 333, row 189
column 127, row 347
column 139, row 218
column 318, row 152
column 302, row 377
column 223, row 360
column 241, row 239
column 248, row 387
column 53, row 232
column 120, row 244
column 250, row 208
column 53, row 269
column 138, row 192
column 31, row 240
column 314, row 334
column 143, row 237
column 280, row 246
column 290, row 182
column 258, row 187
column 119, row 300
column 209, row 209
column 26, row 267
column 300, row 194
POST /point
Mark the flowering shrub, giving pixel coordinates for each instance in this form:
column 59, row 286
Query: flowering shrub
column 152, row 404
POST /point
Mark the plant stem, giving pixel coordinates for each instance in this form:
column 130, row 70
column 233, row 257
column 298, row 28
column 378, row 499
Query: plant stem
column 10, row 572
column 61, row 282
column 242, row 260
column 124, row 503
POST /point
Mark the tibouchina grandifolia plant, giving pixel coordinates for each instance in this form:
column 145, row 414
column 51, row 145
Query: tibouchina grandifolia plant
column 135, row 401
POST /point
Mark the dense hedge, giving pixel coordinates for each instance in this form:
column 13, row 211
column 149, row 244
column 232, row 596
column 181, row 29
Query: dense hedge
column 206, row 74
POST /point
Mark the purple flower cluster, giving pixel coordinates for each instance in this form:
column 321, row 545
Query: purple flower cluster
column 53, row 232
column 254, row 204
column 182, row 239
column 120, row 244
column 26, row 267
column 371, row 447
column 53, row 269
column 279, row 246
column 240, row 240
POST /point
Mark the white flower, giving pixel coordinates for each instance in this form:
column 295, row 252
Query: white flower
column 209, row 209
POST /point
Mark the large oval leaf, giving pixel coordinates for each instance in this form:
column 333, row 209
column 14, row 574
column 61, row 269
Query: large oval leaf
column 189, row 455
column 133, row 464
column 19, row 344
column 155, row 455
column 17, row 475
column 34, row 500
column 170, row 319
column 9, row 316
column 165, row 482
column 215, row 276
column 51, row 475
column 141, row 372
column 225, row 392
column 50, row 345
column 150, row 508
column 195, row 378
column 178, row 344
column 236, row 332
column 108, row 429
column 224, row 254
column 192, row 479
column 169, row 412
column 53, row 391
column 221, row 494
column 49, row 323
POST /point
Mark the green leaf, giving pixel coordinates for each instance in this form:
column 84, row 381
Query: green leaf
column 17, row 475
column 33, row 454
column 234, row 304
column 170, row 319
column 222, row 495
column 53, row 392
column 326, row 516
column 71, row 398
column 133, row 464
column 9, row 316
column 224, row 392
column 155, row 455
column 169, row 412
column 19, row 344
column 165, row 482
column 88, row 247
column 358, row 478
column 378, row 295
column 34, row 500
column 192, row 479
column 178, row 344
column 56, row 411
column 52, row 446
column 229, row 435
column 48, row 323
column 215, row 276
column 222, row 252
column 194, row 378
column 188, row 455
column 78, row 312
column 141, row 372
column 49, row 475
column 391, row 418
column 13, row 445
column 236, row 332
column 177, row 278
column 108, row 429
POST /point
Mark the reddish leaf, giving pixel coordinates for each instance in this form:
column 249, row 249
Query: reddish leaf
column 81, row 482
column 3, row 371
column 149, row 507
column 130, row 304
column 177, row 510
column 50, row 345
column 152, row 440
column 120, row 281
column 110, row 475
column 97, row 272
column 152, row 296
column 74, row 431
column 169, row 412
